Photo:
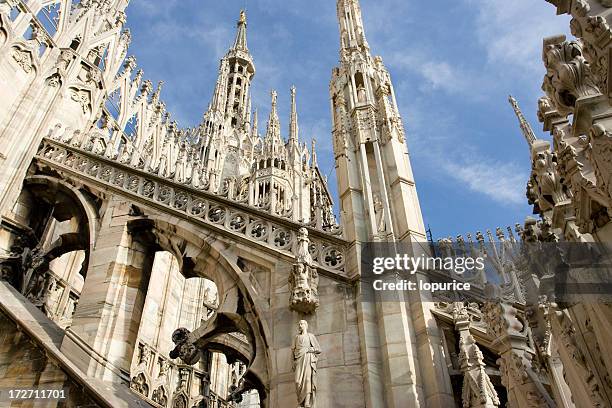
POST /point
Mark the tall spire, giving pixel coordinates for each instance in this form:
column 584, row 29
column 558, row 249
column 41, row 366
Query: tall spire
column 352, row 34
column 525, row 126
column 273, row 139
column 293, row 124
column 241, row 39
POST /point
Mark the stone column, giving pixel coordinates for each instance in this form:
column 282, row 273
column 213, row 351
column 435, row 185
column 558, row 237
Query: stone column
column 105, row 324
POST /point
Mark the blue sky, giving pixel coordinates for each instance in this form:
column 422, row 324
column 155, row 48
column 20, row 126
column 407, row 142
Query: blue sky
column 453, row 64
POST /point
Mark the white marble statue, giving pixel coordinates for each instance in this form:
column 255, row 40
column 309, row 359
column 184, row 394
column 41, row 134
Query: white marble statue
column 306, row 352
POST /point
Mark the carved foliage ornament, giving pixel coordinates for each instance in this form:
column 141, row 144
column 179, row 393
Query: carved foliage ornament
column 568, row 75
column 548, row 181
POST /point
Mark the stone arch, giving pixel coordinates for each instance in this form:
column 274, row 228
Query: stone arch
column 59, row 229
column 84, row 205
column 204, row 254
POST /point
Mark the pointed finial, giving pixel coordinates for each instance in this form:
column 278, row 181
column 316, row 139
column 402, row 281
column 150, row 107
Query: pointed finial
column 293, row 125
column 241, row 36
column 525, row 126
column 255, row 123
column 314, row 153
column 273, row 137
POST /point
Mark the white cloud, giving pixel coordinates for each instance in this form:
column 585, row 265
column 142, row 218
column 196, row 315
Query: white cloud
column 512, row 31
column 439, row 75
column 502, row 182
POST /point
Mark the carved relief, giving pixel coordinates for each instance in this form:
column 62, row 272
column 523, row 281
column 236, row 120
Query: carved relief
column 23, row 59
column 82, row 97
column 140, row 381
column 54, row 81
column 365, row 120
column 599, row 152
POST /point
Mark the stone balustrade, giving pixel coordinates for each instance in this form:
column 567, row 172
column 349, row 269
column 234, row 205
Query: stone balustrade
column 241, row 221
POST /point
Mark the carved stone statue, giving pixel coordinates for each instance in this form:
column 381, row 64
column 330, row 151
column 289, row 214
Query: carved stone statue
column 303, row 254
column 304, row 278
column 598, row 152
column 306, row 352
column 379, row 211
column 361, row 94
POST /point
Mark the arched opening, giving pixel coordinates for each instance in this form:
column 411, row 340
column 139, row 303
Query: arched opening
column 50, row 250
column 361, row 88
column 193, row 287
column 172, row 301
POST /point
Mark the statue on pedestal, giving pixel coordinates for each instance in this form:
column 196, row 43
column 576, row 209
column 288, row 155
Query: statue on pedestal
column 304, row 278
column 306, row 352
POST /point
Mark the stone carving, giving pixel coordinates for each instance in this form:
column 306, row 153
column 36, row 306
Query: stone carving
column 23, row 59
column 599, row 152
column 361, row 94
column 566, row 330
column 160, row 396
column 547, row 183
column 568, row 76
column 519, row 375
column 140, row 385
column 306, row 351
column 379, row 212
column 478, row 390
column 303, row 279
column 184, row 349
column 544, row 107
column 83, row 97
column 365, row 121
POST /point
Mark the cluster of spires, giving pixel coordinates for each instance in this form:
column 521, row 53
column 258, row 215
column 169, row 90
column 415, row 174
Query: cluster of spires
column 467, row 244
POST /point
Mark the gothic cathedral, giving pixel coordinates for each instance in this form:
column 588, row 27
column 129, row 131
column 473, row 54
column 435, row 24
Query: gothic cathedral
column 145, row 264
